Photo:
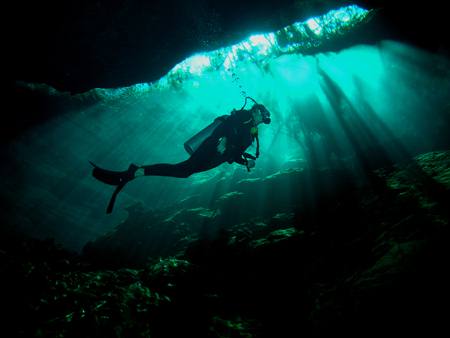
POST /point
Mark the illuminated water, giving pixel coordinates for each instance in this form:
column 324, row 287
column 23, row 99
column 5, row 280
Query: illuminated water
column 357, row 109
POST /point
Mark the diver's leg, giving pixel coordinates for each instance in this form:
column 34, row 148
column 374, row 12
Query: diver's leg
column 183, row 169
column 121, row 178
column 204, row 158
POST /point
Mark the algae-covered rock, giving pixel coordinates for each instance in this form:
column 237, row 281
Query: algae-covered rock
column 233, row 195
column 169, row 266
column 110, row 303
column 276, row 236
column 399, row 260
column 425, row 179
column 232, row 328
column 437, row 165
column 193, row 216
column 363, row 257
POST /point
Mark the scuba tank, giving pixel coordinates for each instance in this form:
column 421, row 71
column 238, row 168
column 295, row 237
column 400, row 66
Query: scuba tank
column 195, row 141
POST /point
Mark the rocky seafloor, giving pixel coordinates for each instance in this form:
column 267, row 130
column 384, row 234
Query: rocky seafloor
column 358, row 258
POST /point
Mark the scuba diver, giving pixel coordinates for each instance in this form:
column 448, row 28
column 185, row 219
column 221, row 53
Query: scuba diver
column 224, row 140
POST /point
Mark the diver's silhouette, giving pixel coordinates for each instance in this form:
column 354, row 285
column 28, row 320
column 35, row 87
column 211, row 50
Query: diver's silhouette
column 224, row 140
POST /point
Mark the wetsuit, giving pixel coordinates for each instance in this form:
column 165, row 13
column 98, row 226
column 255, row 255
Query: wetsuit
column 239, row 131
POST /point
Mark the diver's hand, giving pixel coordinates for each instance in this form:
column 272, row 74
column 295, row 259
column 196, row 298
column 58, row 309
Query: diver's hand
column 251, row 164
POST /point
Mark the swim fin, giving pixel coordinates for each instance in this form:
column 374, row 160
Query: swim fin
column 110, row 207
column 114, row 177
column 117, row 178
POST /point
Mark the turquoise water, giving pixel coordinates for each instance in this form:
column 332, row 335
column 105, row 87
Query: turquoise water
column 341, row 226
column 357, row 108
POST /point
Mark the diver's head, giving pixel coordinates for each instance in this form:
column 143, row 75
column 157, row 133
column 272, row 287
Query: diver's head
column 260, row 114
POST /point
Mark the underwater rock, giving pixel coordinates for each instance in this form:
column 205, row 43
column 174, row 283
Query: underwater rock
column 295, row 163
column 192, row 216
column 110, row 303
column 276, row 236
column 235, row 328
column 398, row 261
column 282, row 218
column 141, row 235
column 190, row 201
column 436, row 164
column 377, row 263
column 375, row 259
column 144, row 234
column 403, row 291
column 335, row 199
column 425, row 179
column 168, row 275
column 233, row 195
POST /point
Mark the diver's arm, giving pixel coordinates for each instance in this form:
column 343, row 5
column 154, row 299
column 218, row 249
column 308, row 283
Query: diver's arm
column 257, row 146
column 247, row 155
